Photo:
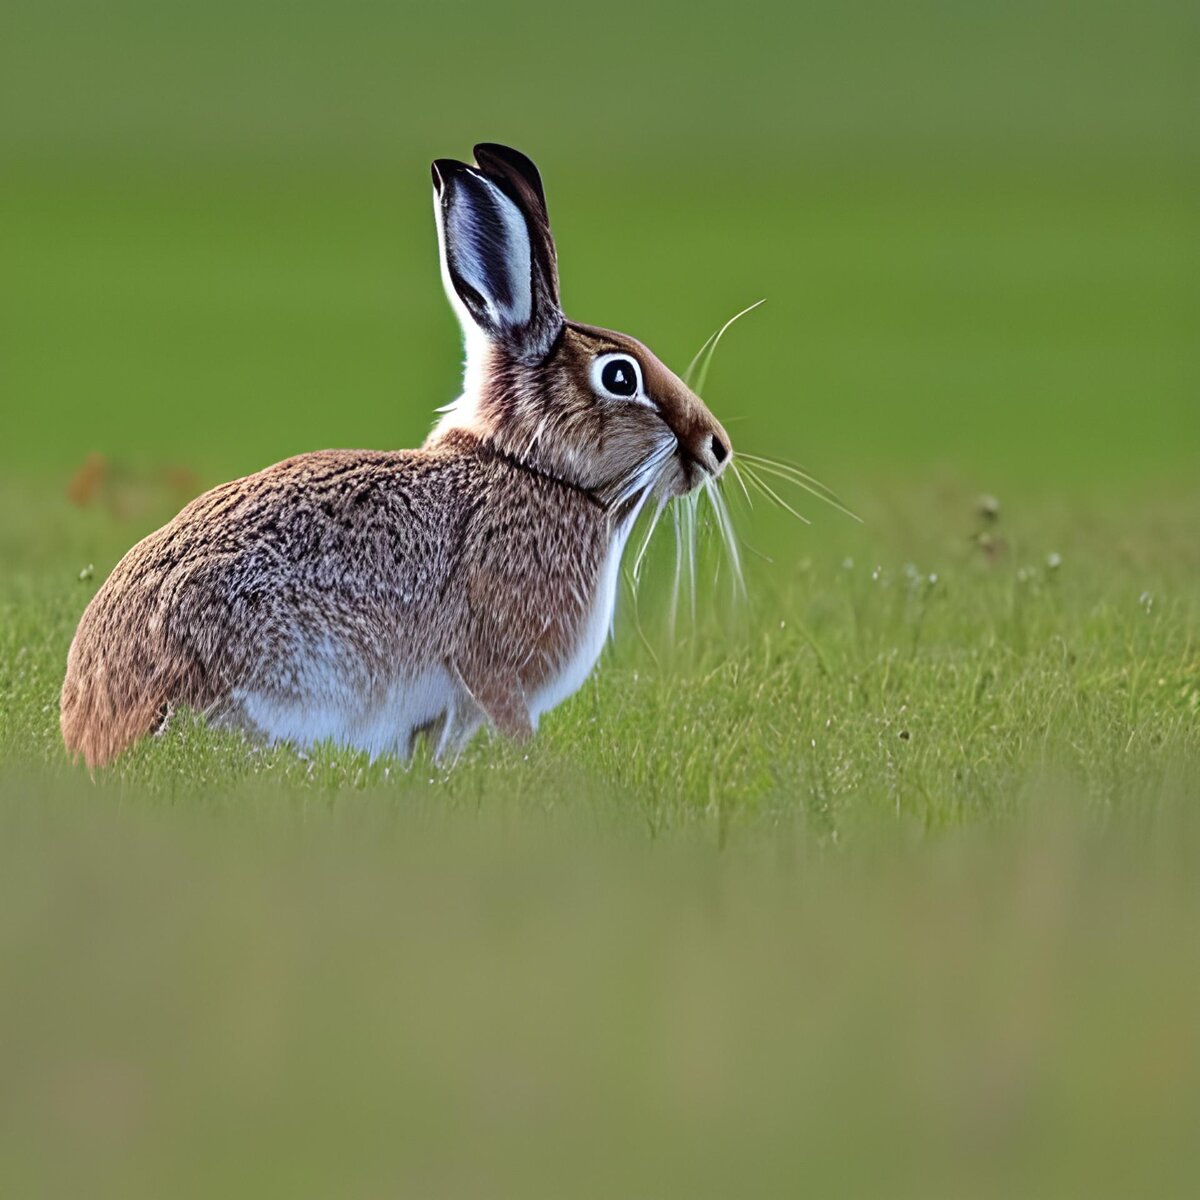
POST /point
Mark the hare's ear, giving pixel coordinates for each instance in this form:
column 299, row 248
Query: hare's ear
column 497, row 257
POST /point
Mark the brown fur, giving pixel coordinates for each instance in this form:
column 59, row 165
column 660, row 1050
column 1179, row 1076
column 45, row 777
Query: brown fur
column 435, row 547
column 479, row 554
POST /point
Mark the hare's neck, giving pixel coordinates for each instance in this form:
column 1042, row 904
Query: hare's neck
column 464, row 441
column 466, row 413
column 523, row 443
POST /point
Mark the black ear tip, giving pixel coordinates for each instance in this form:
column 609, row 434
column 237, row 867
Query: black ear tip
column 493, row 155
column 504, row 154
column 501, row 151
column 445, row 169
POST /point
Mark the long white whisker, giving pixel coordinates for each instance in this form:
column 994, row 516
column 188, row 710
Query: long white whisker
column 778, row 462
column 698, row 368
column 790, row 471
column 641, row 554
column 630, row 521
column 798, row 479
column 741, row 483
column 774, row 496
column 750, row 504
column 690, row 502
column 643, row 475
column 725, row 529
column 735, row 555
column 673, row 611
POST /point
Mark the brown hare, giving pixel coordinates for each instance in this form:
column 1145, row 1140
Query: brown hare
column 362, row 596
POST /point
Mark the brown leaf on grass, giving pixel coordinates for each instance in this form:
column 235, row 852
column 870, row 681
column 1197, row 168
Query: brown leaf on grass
column 181, row 480
column 85, row 485
column 131, row 493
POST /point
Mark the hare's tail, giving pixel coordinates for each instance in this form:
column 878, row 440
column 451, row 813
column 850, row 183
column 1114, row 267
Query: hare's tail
column 118, row 688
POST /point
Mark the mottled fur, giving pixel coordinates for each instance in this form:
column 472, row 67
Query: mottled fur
column 364, row 596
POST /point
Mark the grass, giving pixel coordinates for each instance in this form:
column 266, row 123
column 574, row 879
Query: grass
column 934, row 671
column 886, row 882
column 882, row 883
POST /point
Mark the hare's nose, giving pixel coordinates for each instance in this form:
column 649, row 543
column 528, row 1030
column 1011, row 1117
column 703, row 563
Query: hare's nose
column 713, row 453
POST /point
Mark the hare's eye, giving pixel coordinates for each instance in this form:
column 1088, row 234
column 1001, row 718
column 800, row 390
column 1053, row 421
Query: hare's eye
column 617, row 375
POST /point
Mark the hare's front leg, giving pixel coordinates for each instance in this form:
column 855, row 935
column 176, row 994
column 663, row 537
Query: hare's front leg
column 460, row 724
column 498, row 695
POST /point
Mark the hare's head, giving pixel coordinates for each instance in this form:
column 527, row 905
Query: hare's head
column 593, row 407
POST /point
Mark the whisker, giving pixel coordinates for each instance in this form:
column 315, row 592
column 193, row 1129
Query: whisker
column 698, row 367
column 798, row 479
column 791, row 468
column 725, row 529
column 631, row 521
column 672, row 612
column 641, row 554
column 731, row 540
column 689, row 527
column 642, row 476
column 741, row 482
column 801, row 478
column 637, row 620
column 774, row 496
column 747, row 545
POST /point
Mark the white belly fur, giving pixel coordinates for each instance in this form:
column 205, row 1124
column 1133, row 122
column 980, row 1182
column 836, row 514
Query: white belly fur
column 332, row 709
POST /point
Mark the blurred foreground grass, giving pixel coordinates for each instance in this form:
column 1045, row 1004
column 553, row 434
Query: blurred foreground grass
column 360, row 997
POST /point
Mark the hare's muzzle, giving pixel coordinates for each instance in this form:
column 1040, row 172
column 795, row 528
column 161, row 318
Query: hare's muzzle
column 702, row 456
column 703, row 443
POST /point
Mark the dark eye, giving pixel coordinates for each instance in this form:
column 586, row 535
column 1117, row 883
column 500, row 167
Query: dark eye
column 619, row 377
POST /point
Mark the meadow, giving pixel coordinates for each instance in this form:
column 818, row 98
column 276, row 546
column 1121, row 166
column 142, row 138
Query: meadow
column 880, row 881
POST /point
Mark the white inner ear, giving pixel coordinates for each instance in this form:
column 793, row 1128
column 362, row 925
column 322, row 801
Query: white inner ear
column 479, row 254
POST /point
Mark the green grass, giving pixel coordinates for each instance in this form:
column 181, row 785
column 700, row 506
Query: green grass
column 934, row 667
column 884, row 883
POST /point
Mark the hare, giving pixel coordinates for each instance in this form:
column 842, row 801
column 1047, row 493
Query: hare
column 365, row 597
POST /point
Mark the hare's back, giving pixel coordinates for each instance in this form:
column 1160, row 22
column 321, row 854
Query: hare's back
column 343, row 519
column 342, row 551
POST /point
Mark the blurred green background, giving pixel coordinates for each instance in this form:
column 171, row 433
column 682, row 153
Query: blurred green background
column 892, row 889
column 975, row 225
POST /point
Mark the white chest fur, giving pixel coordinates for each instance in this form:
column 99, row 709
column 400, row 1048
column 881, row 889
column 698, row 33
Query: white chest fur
column 597, row 627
